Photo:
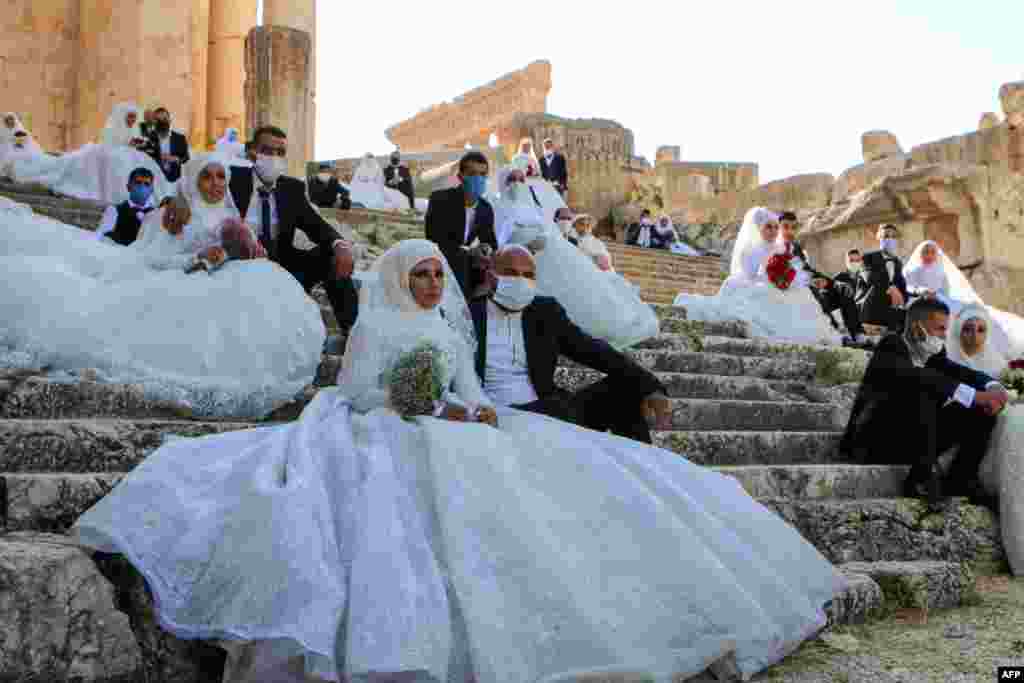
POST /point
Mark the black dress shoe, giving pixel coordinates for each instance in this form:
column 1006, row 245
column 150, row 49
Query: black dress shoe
column 929, row 489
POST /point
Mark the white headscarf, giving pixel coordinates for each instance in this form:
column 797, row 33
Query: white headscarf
column 667, row 230
column 7, row 134
column 207, row 217
column 942, row 276
column 368, row 171
column 590, row 245
column 987, row 359
column 117, row 132
column 386, row 292
column 512, row 214
column 231, row 149
column 749, row 237
column 524, row 161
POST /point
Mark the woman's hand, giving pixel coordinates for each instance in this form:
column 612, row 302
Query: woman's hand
column 454, row 413
column 487, row 415
column 214, row 255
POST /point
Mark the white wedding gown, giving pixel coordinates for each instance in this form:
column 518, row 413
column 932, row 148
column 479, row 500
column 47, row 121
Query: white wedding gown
column 353, row 541
column 238, row 342
column 368, row 188
column 602, row 303
column 790, row 316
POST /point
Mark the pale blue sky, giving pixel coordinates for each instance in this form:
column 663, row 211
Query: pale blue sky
column 790, row 84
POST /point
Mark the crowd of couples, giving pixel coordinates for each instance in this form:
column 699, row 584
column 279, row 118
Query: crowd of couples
column 513, row 531
column 935, row 377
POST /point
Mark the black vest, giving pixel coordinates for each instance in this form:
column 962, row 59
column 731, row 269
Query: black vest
column 126, row 230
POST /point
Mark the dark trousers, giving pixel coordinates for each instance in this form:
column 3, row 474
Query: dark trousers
column 406, row 189
column 603, row 406
column 942, row 427
column 315, row 266
column 834, row 299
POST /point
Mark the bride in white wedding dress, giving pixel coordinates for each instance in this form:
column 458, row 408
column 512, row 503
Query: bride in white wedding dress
column 368, row 188
column 354, row 544
column 929, row 272
column 1002, row 471
column 790, row 315
column 97, row 172
column 604, row 304
column 239, row 341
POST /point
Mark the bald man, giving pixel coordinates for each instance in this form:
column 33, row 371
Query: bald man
column 521, row 336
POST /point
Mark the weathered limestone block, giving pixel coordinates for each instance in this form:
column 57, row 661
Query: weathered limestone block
column 90, row 445
column 989, row 120
column 724, row 449
column 1011, row 96
column 863, row 176
column 52, row 502
column 879, row 144
column 932, row 585
column 40, row 397
column 278, row 86
column 861, row 599
column 58, row 619
column 165, row 658
column 808, row 482
column 897, row 530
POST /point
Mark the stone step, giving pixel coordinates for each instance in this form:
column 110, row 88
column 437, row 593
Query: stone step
column 735, row 448
column 91, row 445
column 731, row 345
column 43, row 398
column 922, row 584
column 897, row 529
column 722, row 415
column 861, row 600
column 815, row 482
column 684, row 385
column 61, row 616
column 671, row 325
column 719, row 364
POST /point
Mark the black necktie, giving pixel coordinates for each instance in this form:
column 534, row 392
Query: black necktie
column 265, row 237
column 140, row 213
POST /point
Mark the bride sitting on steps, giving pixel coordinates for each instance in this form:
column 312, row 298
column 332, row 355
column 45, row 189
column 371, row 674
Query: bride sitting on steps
column 785, row 313
column 372, row 541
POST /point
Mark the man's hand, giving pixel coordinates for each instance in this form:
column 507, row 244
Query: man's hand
column 657, row 410
column 344, row 261
column 215, row 255
column 820, row 283
column 454, row 413
column 895, row 296
column 929, row 294
column 991, row 402
column 487, row 415
column 177, row 214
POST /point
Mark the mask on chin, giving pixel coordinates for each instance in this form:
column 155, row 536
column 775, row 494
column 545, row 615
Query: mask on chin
column 931, row 345
column 270, row 168
column 855, row 267
column 514, row 293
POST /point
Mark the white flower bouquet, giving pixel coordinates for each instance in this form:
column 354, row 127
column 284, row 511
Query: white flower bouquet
column 416, row 381
column 1013, row 379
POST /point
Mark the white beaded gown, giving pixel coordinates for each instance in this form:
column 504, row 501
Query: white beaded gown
column 353, row 542
column 238, row 342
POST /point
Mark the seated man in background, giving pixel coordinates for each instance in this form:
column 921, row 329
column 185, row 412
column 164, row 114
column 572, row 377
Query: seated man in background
column 121, row 222
column 882, row 290
column 398, row 177
column 326, row 192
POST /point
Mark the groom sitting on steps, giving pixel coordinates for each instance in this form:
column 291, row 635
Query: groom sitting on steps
column 520, row 337
column 914, row 404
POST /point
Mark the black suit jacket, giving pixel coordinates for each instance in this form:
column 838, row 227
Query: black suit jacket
column 446, row 227
column 886, row 424
column 557, row 172
column 798, row 251
column 548, row 333
column 872, row 297
column 179, row 148
column 403, row 176
column 294, row 212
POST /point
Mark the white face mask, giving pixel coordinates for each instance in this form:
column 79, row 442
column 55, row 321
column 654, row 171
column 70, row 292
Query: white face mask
column 270, row 168
column 514, row 293
column 516, row 191
column 855, row 267
column 324, row 176
column 932, row 345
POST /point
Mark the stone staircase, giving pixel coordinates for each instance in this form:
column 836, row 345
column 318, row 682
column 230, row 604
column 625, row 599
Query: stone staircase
column 767, row 414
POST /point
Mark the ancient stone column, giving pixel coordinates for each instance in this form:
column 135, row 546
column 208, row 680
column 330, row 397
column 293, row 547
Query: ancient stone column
column 108, row 65
column 279, row 73
column 300, row 14
column 198, row 134
column 230, row 20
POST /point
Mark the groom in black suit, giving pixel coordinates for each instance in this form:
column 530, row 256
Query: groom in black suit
column 276, row 206
column 520, row 338
column 458, row 216
column 882, row 291
column 914, row 404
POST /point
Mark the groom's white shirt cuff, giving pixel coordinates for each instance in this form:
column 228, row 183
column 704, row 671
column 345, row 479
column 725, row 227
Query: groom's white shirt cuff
column 964, row 395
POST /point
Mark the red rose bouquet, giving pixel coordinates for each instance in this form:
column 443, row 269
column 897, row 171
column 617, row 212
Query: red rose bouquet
column 780, row 272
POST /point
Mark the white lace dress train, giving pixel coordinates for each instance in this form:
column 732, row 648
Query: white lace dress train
column 1002, row 475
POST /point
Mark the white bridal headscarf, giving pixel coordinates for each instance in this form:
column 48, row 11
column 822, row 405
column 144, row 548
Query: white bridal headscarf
column 207, row 217
column 368, row 171
column 918, row 274
column 749, row 236
column 117, row 132
column 987, row 359
column 386, row 291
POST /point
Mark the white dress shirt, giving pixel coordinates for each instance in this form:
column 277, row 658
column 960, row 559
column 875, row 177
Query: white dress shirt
column 506, row 375
column 165, row 144
column 254, row 216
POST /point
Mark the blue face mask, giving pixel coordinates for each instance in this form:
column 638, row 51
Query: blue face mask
column 474, row 186
column 140, row 193
column 889, row 245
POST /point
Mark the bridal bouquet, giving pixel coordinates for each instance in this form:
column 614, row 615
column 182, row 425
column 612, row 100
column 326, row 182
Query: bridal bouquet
column 1013, row 379
column 780, row 271
column 417, row 380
